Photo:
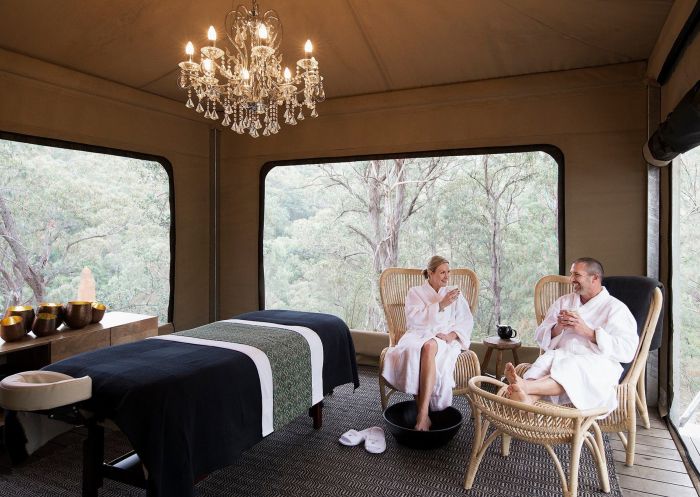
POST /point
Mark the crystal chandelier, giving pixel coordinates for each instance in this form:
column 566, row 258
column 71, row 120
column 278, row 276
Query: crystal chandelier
column 248, row 83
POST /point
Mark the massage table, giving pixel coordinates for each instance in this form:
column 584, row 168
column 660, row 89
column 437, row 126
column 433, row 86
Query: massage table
column 189, row 402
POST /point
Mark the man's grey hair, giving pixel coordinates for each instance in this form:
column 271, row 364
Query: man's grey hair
column 593, row 266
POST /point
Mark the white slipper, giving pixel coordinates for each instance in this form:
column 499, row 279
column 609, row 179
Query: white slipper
column 374, row 441
column 353, row 437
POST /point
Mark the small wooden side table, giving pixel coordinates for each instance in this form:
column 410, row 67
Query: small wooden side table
column 499, row 345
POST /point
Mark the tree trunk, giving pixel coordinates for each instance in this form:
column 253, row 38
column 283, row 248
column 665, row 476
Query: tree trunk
column 21, row 264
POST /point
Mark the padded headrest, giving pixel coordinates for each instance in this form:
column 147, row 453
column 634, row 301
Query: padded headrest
column 39, row 390
column 636, row 292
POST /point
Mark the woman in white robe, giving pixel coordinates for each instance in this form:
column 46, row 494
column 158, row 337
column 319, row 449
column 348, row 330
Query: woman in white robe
column 438, row 328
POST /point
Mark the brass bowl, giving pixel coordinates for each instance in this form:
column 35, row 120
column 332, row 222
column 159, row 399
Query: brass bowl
column 78, row 314
column 26, row 312
column 12, row 328
column 44, row 324
column 98, row 312
column 52, row 308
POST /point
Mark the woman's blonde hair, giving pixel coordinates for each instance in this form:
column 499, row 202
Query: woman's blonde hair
column 434, row 262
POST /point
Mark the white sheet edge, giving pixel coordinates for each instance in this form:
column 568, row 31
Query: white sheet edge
column 315, row 347
column 262, row 363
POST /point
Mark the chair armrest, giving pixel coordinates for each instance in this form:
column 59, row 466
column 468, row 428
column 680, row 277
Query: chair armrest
column 625, row 412
column 467, row 367
column 521, row 369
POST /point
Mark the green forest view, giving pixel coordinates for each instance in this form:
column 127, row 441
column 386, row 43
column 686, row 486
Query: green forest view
column 62, row 210
column 687, row 281
column 330, row 230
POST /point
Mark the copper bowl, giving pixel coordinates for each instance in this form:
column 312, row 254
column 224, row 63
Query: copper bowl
column 98, row 312
column 12, row 328
column 44, row 324
column 52, row 308
column 78, row 314
column 26, row 312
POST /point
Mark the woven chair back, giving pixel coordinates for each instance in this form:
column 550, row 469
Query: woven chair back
column 547, row 290
column 395, row 282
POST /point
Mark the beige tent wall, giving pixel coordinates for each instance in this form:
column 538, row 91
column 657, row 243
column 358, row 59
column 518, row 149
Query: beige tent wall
column 48, row 101
column 597, row 117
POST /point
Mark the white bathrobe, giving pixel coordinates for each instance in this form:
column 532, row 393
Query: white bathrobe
column 587, row 371
column 423, row 321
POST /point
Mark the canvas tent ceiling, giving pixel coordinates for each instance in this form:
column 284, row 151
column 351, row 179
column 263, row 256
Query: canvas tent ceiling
column 364, row 46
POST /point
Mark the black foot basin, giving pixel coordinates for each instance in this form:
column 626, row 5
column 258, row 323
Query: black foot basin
column 401, row 418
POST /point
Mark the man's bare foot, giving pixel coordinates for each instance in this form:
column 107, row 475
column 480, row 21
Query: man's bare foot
column 423, row 424
column 511, row 376
column 515, row 392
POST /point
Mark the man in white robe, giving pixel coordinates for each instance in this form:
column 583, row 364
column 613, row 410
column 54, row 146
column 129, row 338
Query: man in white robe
column 585, row 336
column 438, row 327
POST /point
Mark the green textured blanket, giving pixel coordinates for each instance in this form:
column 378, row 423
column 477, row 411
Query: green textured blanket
column 289, row 356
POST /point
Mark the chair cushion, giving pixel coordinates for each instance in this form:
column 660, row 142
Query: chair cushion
column 40, row 390
column 637, row 292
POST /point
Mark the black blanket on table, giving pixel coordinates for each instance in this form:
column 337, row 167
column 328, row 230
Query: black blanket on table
column 179, row 406
column 339, row 365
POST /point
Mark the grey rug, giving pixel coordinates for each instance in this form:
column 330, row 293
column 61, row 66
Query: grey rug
column 301, row 462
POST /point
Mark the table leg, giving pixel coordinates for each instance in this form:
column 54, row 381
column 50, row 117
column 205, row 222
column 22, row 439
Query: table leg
column 515, row 357
column 485, row 363
column 499, row 360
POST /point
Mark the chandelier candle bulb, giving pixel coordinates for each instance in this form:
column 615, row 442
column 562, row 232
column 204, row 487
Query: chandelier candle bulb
column 247, row 80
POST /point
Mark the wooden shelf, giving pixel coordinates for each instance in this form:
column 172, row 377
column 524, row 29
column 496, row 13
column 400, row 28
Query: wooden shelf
column 115, row 328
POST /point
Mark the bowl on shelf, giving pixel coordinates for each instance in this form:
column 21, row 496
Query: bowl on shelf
column 26, row 312
column 400, row 419
column 78, row 314
column 98, row 312
column 12, row 328
column 45, row 324
column 54, row 308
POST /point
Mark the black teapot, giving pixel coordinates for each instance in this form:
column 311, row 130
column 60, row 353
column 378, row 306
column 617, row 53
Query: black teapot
column 506, row 332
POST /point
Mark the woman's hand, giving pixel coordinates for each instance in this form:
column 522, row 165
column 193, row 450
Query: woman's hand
column 449, row 298
column 448, row 337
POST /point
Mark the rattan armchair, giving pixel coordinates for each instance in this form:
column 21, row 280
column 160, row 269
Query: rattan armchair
column 394, row 284
column 631, row 392
column 540, row 423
